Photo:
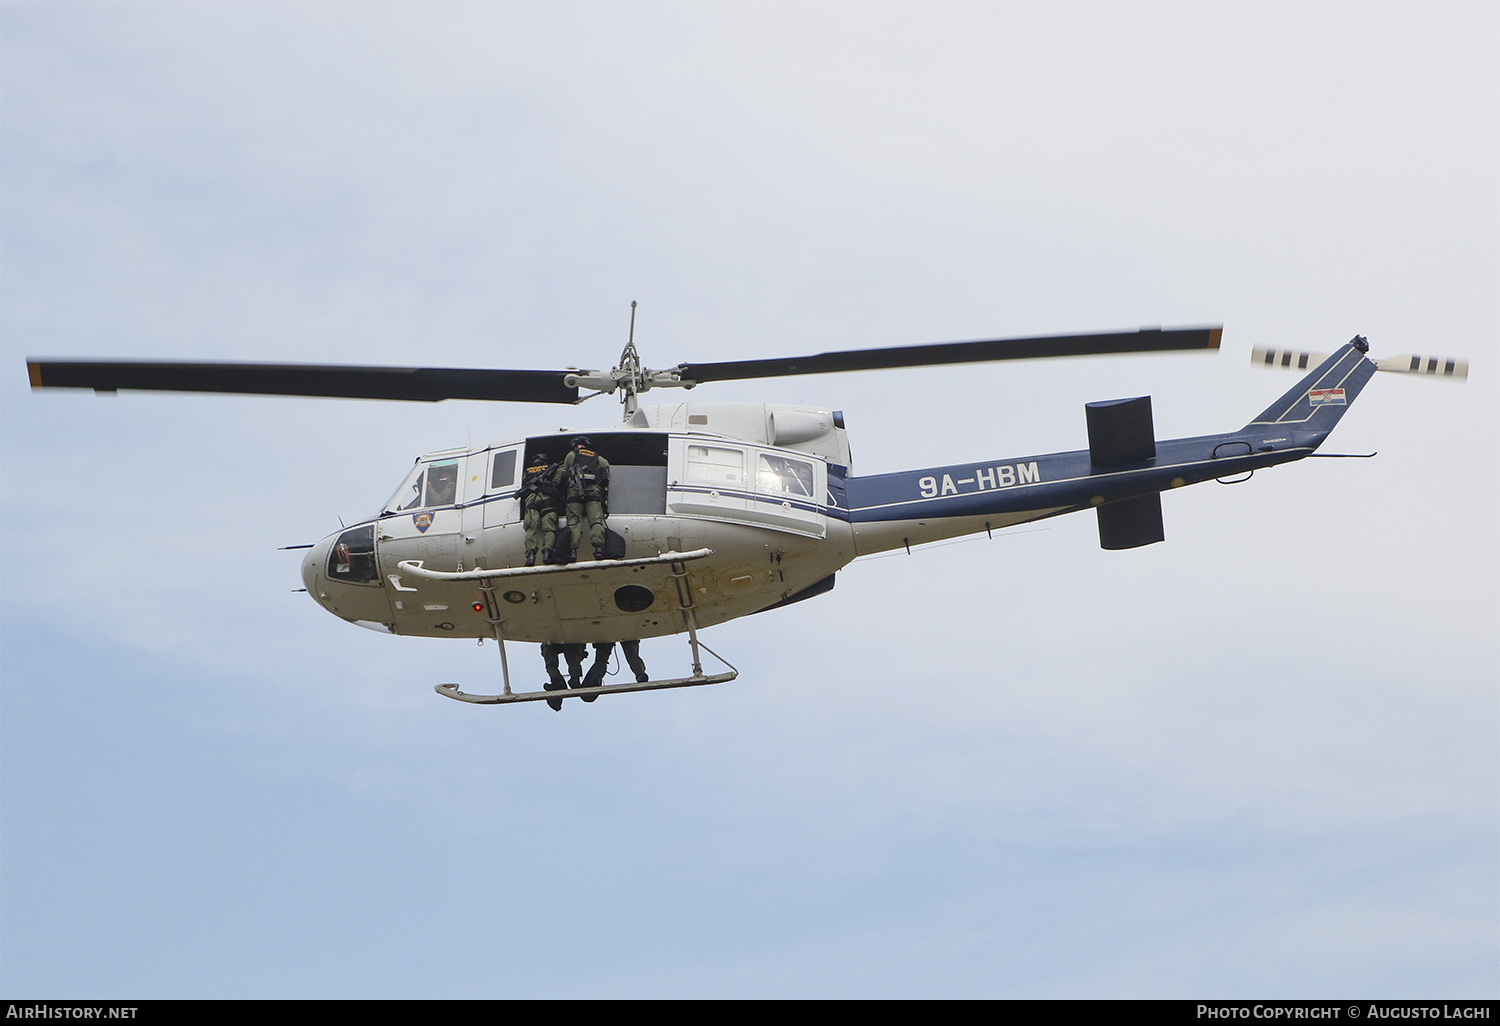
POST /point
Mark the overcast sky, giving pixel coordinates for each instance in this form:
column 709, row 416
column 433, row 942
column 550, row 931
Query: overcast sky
column 1259, row 759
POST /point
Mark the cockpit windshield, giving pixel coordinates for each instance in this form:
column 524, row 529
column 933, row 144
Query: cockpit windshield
column 409, row 495
column 436, row 483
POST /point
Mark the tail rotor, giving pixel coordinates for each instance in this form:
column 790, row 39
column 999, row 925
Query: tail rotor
column 1448, row 367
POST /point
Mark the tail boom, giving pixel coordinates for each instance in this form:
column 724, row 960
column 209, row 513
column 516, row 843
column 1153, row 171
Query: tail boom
column 915, row 507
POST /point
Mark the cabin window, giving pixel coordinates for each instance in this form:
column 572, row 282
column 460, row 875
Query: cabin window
column 780, row 475
column 717, row 465
column 504, row 473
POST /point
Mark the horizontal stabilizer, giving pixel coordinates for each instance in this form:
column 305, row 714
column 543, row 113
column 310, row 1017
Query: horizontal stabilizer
column 1120, row 431
column 1131, row 523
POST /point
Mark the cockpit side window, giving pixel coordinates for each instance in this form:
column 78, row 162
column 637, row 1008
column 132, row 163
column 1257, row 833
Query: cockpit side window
column 429, row 484
column 442, row 484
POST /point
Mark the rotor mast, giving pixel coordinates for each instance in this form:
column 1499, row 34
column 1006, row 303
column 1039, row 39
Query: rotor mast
column 630, row 363
column 629, row 377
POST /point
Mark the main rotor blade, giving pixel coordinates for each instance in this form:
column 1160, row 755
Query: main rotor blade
column 419, row 384
column 1147, row 340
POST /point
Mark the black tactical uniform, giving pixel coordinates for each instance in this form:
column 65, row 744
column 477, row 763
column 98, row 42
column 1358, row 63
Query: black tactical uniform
column 602, row 650
column 541, row 504
column 632, row 650
column 574, row 653
column 585, row 476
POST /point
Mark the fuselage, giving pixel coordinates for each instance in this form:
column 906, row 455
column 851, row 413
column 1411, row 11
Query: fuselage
column 780, row 521
column 773, row 515
column 770, row 490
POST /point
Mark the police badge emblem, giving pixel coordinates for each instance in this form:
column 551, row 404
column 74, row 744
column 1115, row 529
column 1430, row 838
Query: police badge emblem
column 422, row 520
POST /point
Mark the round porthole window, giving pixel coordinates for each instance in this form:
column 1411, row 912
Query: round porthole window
column 632, row 598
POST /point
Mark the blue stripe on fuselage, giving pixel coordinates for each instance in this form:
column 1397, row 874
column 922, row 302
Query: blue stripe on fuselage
column 1064, row 479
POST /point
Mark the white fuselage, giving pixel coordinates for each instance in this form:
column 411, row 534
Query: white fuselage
column 769, row 512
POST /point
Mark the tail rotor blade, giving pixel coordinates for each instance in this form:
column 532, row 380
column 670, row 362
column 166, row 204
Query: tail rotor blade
column 1438, row 366
column 1407, row 363
column 1296, row 359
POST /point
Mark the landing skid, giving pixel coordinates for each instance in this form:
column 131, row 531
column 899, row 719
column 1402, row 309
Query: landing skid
column 685, row 606
column 451, row 690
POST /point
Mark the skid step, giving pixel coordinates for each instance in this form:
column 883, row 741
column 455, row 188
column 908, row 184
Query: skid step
column 451, row 690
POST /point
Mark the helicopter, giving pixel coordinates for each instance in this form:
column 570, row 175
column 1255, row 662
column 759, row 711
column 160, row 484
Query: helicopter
column 723, row 510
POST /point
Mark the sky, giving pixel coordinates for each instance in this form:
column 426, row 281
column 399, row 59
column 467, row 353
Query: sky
column 1256, row 760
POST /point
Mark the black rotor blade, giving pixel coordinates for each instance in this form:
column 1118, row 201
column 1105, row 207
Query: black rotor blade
column 419, row 384
column 1146, row 340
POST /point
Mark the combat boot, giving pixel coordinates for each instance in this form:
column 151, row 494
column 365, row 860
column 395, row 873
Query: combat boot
column 594, row 679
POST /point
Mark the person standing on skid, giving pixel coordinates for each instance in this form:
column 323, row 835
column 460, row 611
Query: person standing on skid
column 584, row 474
column 541, row 503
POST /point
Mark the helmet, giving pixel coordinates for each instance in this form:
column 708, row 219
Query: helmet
column 580, row 440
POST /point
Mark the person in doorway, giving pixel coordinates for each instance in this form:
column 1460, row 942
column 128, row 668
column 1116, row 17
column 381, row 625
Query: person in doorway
column 584, row 476
column 541, row 505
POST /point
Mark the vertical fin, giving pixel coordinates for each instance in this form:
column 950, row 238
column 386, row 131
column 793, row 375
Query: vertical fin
column 1131, row 523
column 1318, row 401
column 1120, row 431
